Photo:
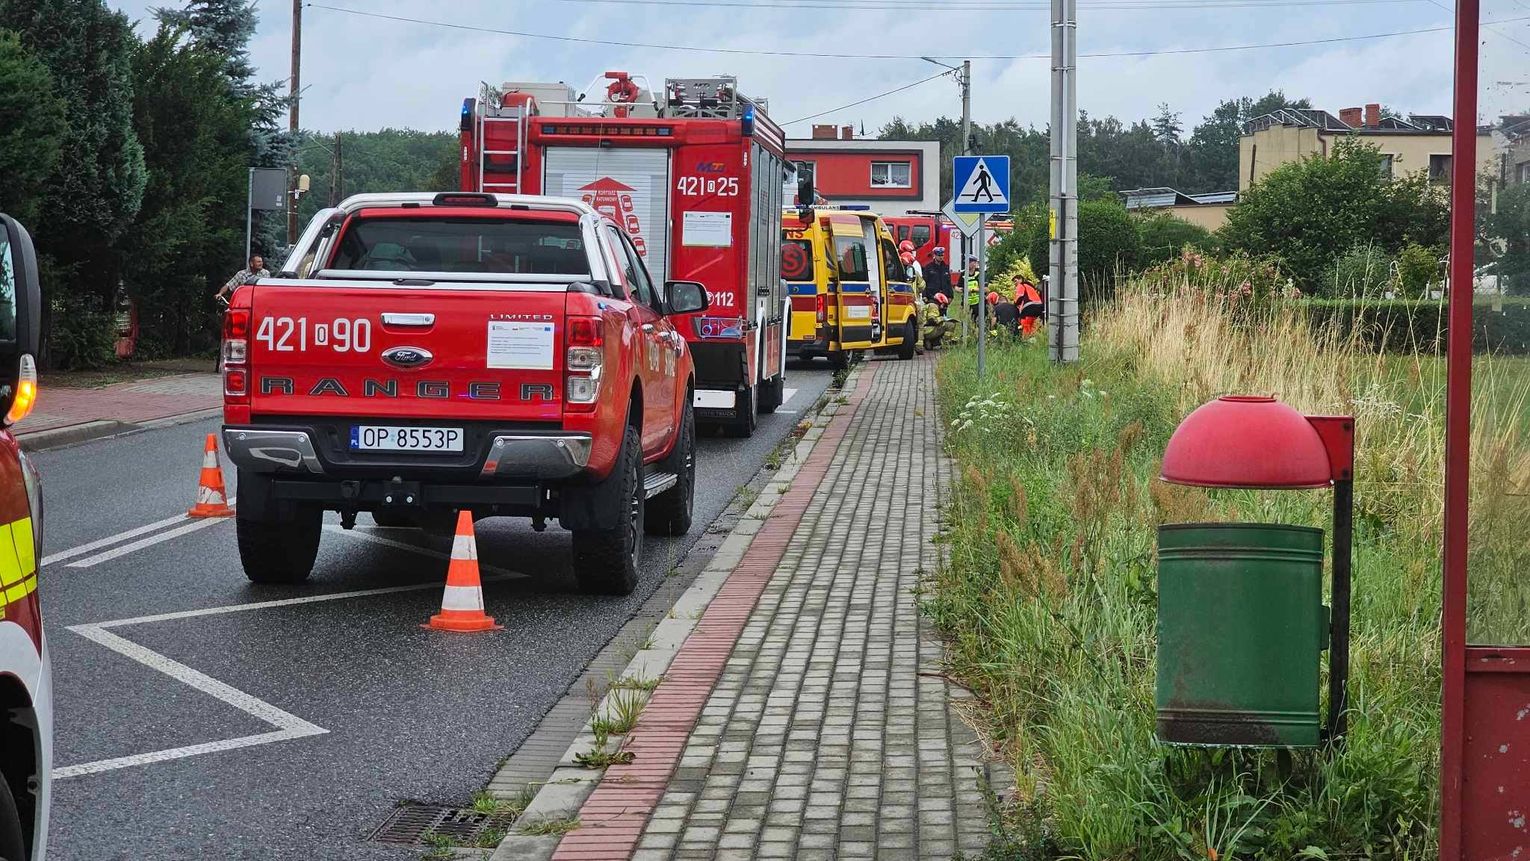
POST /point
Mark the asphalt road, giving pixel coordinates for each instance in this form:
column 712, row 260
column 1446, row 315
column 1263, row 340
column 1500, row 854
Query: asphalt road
column 365, row 707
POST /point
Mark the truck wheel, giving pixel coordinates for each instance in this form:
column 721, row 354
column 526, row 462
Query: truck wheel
column 772, row 393
column 910, row 340
column 606, row 560
column 279, row 549
column 12, row 841
column 669, row 513
column 744, row 420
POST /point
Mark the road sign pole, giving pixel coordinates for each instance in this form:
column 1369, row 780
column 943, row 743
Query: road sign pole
column 982, row 315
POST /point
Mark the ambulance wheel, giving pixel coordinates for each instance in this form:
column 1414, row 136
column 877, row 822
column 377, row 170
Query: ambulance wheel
column 910, row 340
column 772, row 393
column 669, row 513
column 12, row 842
column 839, row 360
column 744, row 419
column 606, row 560
column 278, row 546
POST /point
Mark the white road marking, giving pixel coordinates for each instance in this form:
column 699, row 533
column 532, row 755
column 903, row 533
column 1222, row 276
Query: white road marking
column 111, row 539
column 423, row 551
column 787, row 395
column 141, row 543
column 288, row 726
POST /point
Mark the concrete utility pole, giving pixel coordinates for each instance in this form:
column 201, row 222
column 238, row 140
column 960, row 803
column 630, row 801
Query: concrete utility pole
column 1062, row 289
column 294, row 87
column 965, row 79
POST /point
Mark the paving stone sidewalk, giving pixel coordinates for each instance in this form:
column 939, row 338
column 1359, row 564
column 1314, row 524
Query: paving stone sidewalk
column 827, row 730
column 128, row 403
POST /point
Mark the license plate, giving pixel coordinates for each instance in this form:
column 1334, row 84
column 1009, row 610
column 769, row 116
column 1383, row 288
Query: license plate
column 386, row 438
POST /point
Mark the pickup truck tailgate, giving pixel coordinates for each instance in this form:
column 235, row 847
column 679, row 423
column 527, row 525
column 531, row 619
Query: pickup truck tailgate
column 326, row 348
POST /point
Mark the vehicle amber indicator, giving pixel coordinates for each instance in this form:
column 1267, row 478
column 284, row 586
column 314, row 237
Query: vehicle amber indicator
column 26, row 391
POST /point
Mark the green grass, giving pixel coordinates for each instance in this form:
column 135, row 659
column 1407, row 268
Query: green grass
column 544, row 827
column 1048, row 604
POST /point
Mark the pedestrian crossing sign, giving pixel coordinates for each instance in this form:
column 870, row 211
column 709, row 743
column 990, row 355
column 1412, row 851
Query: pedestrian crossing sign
column 982, row 183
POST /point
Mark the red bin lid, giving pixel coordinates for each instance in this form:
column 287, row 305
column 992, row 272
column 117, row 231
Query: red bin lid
column 1243, row 441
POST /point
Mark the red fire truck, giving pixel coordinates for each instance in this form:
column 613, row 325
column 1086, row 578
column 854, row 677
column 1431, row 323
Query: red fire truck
column 696, row 179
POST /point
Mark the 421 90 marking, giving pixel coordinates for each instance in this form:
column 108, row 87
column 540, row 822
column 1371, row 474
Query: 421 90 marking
column 297, row 334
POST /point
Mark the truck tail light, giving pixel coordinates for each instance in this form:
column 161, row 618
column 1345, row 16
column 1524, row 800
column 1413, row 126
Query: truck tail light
column 583, row 360
column 821, row 308
column 236, row 347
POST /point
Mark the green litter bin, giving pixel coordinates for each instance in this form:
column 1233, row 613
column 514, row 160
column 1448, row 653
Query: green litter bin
column 1241, row 630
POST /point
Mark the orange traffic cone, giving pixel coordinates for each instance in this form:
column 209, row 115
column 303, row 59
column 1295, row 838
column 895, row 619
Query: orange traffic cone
column 462, row 604
column 212, row 501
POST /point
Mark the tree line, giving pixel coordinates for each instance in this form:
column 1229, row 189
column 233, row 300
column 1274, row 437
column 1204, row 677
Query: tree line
column 127, row 158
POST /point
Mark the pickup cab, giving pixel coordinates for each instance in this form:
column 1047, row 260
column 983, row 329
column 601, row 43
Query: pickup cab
column 422, row 354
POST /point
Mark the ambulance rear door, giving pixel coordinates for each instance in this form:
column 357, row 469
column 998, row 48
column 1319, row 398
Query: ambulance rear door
column 856, row 282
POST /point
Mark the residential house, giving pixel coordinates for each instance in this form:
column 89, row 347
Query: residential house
column 891, row 177
column 1422, row 142
column 1207, row 210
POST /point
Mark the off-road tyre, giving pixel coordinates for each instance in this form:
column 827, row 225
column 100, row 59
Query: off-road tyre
column 910, row 340
column 669, row 513
column 606, row 560
column 772, row 393
column 13, row 846
column 744, row 419
column 278, row 549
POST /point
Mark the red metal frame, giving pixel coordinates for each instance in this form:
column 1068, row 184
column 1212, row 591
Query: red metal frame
column 1458, row 395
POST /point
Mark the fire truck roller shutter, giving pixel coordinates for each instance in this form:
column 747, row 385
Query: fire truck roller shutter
column 629, row 185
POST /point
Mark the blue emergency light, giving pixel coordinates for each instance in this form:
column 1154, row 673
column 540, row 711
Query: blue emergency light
column 748, row 123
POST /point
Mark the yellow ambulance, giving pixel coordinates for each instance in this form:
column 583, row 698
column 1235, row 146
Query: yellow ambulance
column 847, row 287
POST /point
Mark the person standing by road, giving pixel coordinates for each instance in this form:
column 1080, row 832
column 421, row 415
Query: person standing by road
column 256, row 269
column 937, row 277
column 974, row 298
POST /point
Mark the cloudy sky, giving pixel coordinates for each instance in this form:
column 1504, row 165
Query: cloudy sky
column 368, row 72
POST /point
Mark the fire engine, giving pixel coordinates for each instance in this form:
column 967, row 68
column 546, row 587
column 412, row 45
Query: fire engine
column 694, row 176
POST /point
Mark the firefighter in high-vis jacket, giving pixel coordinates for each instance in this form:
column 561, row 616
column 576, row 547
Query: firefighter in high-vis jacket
column 972, row 289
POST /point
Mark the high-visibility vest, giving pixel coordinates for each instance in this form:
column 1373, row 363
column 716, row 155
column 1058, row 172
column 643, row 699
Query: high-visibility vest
column 972, row 290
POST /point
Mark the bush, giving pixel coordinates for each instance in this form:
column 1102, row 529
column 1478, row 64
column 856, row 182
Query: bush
column 1417, row 268
column 1419, row 325
column 81, row 336
column 1364, row 271
column 1107, row 245
column 1162, row 237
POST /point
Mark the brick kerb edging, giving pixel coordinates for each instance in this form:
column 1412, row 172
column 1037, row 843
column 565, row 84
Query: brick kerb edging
column 687, row 650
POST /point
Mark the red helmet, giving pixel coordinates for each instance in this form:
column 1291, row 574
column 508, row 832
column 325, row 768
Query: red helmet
column 993, row 298
column 942, row 298
column 907, row 258
column 906, row 246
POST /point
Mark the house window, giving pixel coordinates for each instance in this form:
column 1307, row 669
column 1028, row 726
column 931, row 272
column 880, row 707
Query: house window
column 1386, row 165
column 1524, row 172
column 1439, row 168
column 891, row 174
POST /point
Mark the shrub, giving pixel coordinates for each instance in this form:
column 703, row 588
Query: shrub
column 1417, row 268
column 81, row 336
column 1163, row 237
column 1420, row 325
column 1364, row 271
column 1107, row 245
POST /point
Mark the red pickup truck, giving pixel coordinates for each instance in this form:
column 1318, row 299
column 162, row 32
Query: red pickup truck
column 421, row 354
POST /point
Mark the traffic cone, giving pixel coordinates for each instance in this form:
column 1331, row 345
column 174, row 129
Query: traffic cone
column 212, row 501
column 462, row 603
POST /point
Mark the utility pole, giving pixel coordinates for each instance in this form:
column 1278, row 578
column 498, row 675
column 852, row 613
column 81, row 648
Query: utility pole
column 293, row 89
column 965, row 79
column 1062, row 288
column 336, row 175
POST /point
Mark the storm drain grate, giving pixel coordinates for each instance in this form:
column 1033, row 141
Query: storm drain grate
column 411, row 822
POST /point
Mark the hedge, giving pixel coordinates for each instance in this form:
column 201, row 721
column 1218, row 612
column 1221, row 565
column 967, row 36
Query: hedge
column 1499, row 325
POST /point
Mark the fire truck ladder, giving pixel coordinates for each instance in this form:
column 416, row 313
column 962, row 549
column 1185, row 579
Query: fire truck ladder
column 500, row 161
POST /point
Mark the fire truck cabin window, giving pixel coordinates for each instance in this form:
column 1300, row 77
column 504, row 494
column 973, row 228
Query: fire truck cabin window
column 529, row 247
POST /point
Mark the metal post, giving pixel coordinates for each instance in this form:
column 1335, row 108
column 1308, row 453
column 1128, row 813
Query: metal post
column 294, row 88
column 1338, row 645
column 962, row 150
column 249, row 207
column 1063, row 304
column 1458, row 405
column 982, row 318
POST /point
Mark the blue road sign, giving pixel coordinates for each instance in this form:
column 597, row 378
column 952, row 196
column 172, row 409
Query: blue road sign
column 982, row 183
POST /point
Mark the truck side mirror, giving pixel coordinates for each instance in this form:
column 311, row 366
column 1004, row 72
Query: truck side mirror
column 806, row 193
column 20, row 321
column 685, row 297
